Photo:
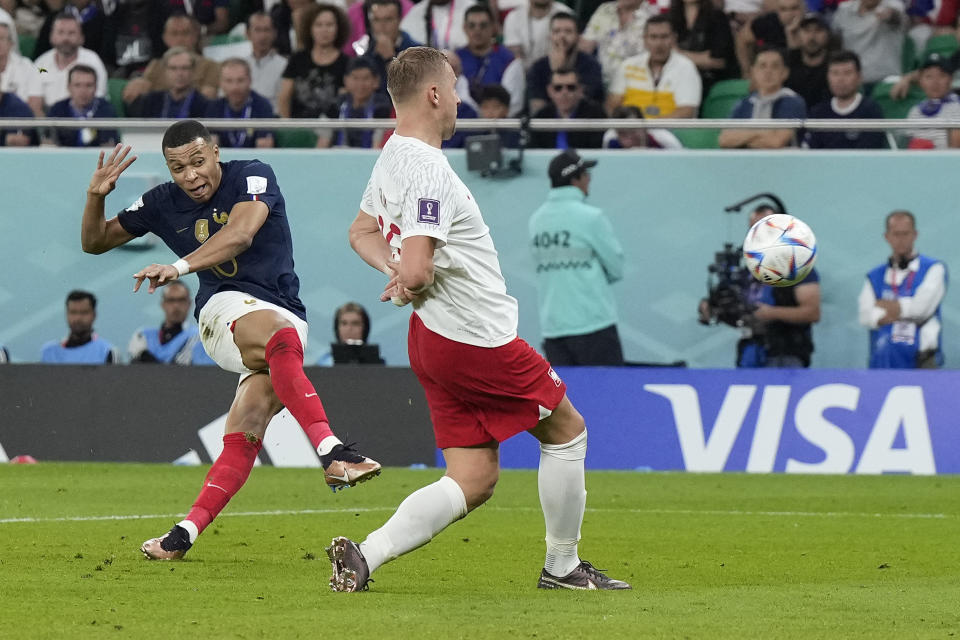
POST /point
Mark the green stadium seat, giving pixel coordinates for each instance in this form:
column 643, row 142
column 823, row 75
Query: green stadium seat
column 723, row 96
column 945, row 45
column 295, row 138
column 115, row 88
column 894, row 109
column 226, row 38
column 908, row 55
column 27, row 44
column 697, row 138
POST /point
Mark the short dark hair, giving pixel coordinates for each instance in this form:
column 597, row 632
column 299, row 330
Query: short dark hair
column 370, row 3
column 627, row 111
column 261, row 14
column 81, row 68
column 310, row 13
column 767, row 48
column 897, row 213
column 563, row 15
column 841, row 57
column 362, row 62
column 68, row 15
column 79, row 294
column 563, row 71
column 494, row 92
column 660, row 18
column 351, row 307
column 183, row 132
column 479, row 8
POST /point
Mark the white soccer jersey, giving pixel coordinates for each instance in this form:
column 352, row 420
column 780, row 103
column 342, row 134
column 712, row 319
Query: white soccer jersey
column 413, row 191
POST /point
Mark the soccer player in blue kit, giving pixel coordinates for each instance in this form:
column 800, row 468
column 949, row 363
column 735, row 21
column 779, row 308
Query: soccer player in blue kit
column 227, row 223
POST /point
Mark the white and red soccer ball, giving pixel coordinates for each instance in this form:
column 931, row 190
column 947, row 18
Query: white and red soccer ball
column 780, row 250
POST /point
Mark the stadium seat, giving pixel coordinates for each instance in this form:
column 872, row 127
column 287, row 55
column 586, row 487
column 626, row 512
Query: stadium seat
column 295, row 138
column 115, row 95
column 27, row 44
column 908, row 55
column 895, row 108
column 945, row 45
column 697, row 138
column 723, row 96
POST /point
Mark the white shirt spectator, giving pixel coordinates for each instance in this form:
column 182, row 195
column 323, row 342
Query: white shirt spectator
column 266, row 75
column 447, row 23
column 613, row 44
column 949, row 109
column 679, row 85
column 53, row 81
column 7, row 19
column 20, row 77
column 879, row 44
column 531, row 34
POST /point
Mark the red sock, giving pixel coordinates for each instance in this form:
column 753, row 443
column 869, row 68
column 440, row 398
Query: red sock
column 225, row 478
column 284, row 356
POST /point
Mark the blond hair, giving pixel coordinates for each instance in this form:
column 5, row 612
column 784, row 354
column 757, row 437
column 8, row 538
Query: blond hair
column 411, row 69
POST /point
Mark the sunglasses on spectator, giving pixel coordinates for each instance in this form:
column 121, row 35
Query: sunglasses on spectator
column 478, row 25
column 568, row 87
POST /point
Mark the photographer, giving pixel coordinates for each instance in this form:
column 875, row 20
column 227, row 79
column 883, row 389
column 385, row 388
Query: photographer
column 775, row 322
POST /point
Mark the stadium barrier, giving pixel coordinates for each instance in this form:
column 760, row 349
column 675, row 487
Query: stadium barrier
column 758, row 421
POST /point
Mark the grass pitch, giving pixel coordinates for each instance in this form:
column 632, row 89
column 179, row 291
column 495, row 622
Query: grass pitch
column 710, row 556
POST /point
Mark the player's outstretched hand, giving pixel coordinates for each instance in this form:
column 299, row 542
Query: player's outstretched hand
column 157, row 274
column 104, row 179
column 395, row 292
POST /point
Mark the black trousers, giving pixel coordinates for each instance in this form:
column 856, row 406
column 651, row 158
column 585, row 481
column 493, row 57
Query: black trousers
column 598, row 349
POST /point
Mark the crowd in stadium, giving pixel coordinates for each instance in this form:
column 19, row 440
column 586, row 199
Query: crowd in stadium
column 650, row 59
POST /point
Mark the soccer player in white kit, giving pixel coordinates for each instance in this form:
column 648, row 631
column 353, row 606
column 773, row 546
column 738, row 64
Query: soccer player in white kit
column 419, row 224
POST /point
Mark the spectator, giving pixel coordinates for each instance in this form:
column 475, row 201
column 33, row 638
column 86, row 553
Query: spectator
column 286, row 16
column 177, row 340
column 936, row 73
column 564, row 53
column 438, row 23
column 567, row 101
column 928, row 18
column 778, row 28
column 808, row 62
column 578, row 257
column 485, row 62
column 526, row 29
column 67, row 40
column 212, row 15
column 638, row 138
column 361, row 100
column 494, row 104
column 134, row 35
column 178, row 31
column 83, row 104
column 92, row 22
column 181, row 99
column 661, row 82
column 843, row 76
column 314, row 75
column 13, row 107
column 18, row 75
column 351, row 327
column 615, row 33
column 900, row 302
column 873, row 29
column 465, row 110
column 777, row 331
column 704, row 36
column 266, row 65
column 240, row 102
column 82, row 346
column 358, row 15
column 7, row 19
column 387, row 39
column 770, row 100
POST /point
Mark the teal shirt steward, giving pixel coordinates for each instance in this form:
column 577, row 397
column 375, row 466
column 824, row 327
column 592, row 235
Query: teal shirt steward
column 577, row 257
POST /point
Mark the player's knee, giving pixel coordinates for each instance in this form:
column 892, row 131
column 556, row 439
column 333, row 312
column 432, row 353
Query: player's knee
column 574, row 449
column 481, row 489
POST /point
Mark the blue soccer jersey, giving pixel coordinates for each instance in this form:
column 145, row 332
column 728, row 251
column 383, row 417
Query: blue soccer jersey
column 265, row 270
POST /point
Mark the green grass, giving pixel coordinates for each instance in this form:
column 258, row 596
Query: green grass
column 710, row 556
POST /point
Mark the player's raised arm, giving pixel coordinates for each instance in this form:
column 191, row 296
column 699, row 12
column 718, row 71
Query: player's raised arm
column 97, row 234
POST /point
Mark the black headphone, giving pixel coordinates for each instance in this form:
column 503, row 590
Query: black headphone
column 901, row 263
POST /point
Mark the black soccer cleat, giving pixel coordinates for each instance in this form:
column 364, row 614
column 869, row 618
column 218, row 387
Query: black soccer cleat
column 585, row 577
column 170, row 546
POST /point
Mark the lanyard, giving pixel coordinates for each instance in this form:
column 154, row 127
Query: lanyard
column 342, row 136
column 907, row 283
column 83, row 115
column 237, row 136
column 433, row 28
column 183, row 111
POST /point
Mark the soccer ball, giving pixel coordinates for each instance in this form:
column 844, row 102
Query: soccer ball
column 780, row 250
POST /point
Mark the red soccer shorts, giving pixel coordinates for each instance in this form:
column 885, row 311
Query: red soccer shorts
column 478, row 394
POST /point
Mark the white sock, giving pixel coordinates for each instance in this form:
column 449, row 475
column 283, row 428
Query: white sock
column 563, row 497
column 425, row 513
column 191, row 528
column 327, row 444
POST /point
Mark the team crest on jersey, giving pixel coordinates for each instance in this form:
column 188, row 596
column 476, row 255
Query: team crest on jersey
column 256, row 184
column 136, row 205
column 428, row 211
column 201, row 230
column 553, row 376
